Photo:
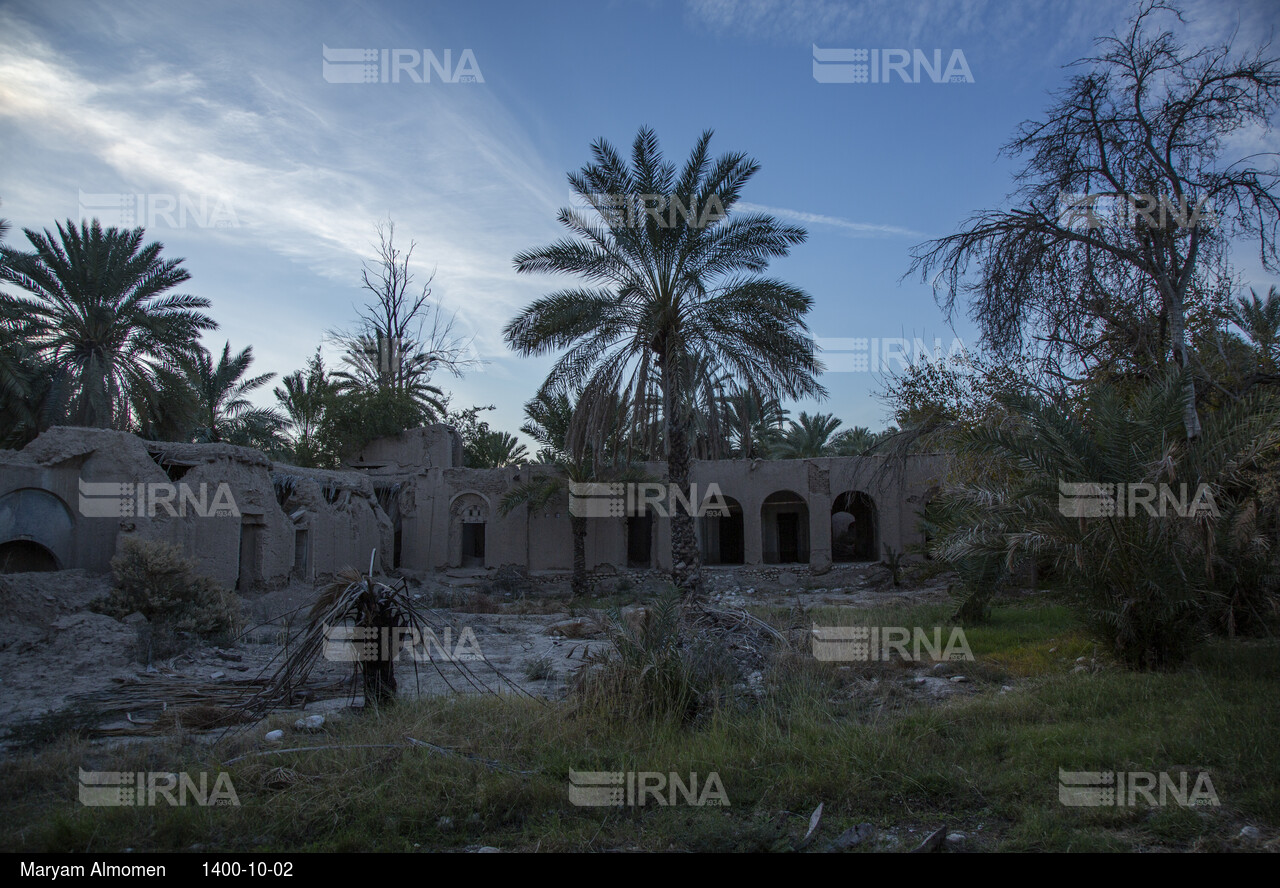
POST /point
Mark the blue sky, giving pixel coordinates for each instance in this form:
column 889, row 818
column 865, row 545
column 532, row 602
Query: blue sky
column 225, row 105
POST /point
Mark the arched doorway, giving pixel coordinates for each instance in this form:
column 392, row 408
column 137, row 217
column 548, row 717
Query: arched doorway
column 468, row 517
column 855, row 528
column 724, row 536
column 25, row 556
column 35, row 531
column 784, row 528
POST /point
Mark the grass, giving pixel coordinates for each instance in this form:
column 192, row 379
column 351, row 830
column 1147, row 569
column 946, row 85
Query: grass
column 860, row 741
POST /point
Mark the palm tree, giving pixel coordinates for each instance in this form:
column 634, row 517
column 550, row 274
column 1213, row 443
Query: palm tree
column 807, row 438
column 1260, row 321
column 99, row 311
column 304, row 397
column 22, row 375
column 672, row 287
column 1143, row 579
column 224, row 413
column 855, row 441
column 375, row 363
column 753, row 423
column 552, row 424
column 493, row 449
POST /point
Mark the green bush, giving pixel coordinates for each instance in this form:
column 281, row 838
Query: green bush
column 155, row 579
column 647, row 673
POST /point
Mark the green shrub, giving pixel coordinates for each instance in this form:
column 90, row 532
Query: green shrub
column 647, row 673
column 155, row 579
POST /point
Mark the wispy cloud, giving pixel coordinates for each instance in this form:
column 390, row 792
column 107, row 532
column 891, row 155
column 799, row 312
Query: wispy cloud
column 853, row 229
column 294, row 157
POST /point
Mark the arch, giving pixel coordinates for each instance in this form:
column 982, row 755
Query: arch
column 784, row 528
column 723, row 537
column 468, row 518
column 25, row 556
column 39, row 524
column 855, row 528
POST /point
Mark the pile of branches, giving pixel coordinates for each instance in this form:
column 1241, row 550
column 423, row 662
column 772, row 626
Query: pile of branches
column 364, row 622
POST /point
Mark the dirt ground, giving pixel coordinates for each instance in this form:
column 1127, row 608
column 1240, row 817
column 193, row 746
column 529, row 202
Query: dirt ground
column 55, row 653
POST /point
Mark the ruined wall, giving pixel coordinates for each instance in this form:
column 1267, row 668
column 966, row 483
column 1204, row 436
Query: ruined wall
column 435, row 446
column 83, row 533
column 436, row 506
column 246, row 547
column 252, row 524
column 77, row 492
column 336, row 519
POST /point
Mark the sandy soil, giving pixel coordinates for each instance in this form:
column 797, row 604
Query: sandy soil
column 54, row 651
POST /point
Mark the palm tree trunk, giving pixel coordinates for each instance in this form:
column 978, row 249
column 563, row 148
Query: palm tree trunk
column 686, row 560
column 579, row 582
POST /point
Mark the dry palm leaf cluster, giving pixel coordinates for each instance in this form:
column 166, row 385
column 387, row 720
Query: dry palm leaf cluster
column 366, row 622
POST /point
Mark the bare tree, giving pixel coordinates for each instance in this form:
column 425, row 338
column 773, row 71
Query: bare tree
column 402, row 337
column 1127, row 205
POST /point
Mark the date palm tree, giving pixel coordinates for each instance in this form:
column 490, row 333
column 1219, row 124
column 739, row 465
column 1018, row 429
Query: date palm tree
column 98, row 310
column 809, row 437
column 565, row 458
column 1146, row 576
column 494, row 449
column 671, row 288
column 304, row 396
column 223, row 412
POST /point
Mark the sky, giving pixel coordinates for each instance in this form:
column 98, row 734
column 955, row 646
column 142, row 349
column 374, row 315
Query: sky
column 255, row 158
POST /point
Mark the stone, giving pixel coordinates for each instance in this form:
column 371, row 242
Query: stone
column 135, row 619
column 855, row 835
column 216, row 675
column 1252, row 833
column 310, row 724
column 959, row 679
column 274, row 736
column 1079, row 669
column 787, row 579
column 936, row 841
column 488, row 849
column 568, row 629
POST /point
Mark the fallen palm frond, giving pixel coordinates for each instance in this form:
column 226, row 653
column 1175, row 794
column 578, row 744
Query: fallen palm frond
column 354, row 619
column 380, row 621
column 152, row 702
